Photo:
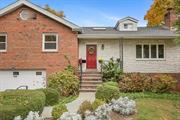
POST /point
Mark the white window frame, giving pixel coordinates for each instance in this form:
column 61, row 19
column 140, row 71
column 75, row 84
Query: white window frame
column 128, row 28
column 43, row 43
column 4, row 42
column 157, row 51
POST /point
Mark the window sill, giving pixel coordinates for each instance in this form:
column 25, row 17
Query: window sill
column 3, row 51
column 50, row 51
column 151, row 59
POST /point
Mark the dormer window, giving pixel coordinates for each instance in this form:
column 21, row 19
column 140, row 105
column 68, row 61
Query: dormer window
column 128, row 26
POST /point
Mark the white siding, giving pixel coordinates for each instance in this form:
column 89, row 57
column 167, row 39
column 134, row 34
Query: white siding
column 111, row 49
column 171, row 64
column 121, row 26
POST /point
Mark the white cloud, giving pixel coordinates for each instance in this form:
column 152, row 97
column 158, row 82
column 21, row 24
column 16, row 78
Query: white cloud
column 109, row 17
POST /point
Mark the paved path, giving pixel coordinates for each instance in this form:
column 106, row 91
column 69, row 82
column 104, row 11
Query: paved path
column 47, row 112
column 83, row 96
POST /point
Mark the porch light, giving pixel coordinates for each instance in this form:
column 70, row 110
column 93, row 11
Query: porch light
column 102, row 47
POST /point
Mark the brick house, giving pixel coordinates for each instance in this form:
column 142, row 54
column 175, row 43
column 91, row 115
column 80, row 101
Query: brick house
column 34, row 43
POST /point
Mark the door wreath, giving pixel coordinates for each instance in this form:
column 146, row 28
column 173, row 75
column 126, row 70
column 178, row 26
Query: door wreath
column 91, row 50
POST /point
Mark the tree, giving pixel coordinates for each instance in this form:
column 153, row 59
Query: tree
column 177, row 24
column 155, row 15
column 58, row 13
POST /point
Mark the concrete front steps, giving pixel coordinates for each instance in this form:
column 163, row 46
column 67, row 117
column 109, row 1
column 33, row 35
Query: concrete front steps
column 90, row 80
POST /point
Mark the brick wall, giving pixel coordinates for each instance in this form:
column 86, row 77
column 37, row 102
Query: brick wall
column 170, row 18
column 24, row 49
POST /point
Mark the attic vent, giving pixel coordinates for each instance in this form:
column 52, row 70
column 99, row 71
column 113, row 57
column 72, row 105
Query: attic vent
column 27, row 15
column 99, row 28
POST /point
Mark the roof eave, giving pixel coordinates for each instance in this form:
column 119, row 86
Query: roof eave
column 112, row 36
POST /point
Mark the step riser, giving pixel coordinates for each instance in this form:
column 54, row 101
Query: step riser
column 89, row 87
column 86, row 80
column 93, row 84
column 87, row 90
column 90, row 81
column 92, row 76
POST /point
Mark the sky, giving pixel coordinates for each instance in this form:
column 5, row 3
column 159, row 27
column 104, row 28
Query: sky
column 96, row 12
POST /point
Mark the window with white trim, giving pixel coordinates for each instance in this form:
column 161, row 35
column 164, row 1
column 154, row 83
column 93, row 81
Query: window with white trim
column 128, row 26
column 3, row 42
column 150, row 51
column 50, row 42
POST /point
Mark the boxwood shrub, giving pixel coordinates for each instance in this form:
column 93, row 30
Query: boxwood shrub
column 20, row 102
column 106, row 92
column 52, row 96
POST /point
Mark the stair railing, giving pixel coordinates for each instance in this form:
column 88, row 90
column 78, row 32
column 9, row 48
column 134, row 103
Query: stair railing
column 81, row 61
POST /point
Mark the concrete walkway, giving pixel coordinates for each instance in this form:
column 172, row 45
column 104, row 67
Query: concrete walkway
column 47, row 112
column 83, row 96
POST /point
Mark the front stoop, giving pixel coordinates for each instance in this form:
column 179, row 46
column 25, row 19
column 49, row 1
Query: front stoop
column 90, row 80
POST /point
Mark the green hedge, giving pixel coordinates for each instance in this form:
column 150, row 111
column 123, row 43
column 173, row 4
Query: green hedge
column 106, row 92
column 20, row 102
column 52, row 96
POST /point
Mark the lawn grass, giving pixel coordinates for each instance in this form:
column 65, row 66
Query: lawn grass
column 157, row 109
column 154, row 106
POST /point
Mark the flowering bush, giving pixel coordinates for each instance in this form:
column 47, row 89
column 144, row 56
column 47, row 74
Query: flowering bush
column 70, row 116
column 123, row 106
column 101, row 113
column 30, row 116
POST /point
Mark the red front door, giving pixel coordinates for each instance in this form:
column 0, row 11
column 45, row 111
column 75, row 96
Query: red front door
column 91, row 58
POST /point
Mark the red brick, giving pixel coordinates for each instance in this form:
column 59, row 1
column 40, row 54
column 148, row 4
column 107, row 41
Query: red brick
column 25, row 43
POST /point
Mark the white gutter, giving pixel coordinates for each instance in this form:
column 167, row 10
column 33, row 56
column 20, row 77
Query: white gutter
column 117, row 36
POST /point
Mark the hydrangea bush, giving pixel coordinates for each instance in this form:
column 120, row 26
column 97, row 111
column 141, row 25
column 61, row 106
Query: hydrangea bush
column 70, row 116
column 30, row 116
column 101, row 113
column 123, row 106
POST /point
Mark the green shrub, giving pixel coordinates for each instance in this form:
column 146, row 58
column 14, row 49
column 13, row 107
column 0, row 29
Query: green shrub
column 20, row 102
column 111, row 70
column 106, row 92
column 65, row 82
column 135, row 82
column 86, row 105
column 163, row 83
column 58, row 110
column 97, row 103
column 52, row 96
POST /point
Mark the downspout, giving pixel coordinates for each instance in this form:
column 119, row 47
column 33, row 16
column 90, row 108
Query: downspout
column 121, row 52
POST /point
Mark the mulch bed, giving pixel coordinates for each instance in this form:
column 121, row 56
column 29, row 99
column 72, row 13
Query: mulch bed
column 116, row 116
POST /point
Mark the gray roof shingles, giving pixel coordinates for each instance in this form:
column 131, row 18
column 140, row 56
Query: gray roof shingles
column 142, row 31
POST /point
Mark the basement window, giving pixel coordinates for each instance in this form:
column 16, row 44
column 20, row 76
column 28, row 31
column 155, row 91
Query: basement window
column 15, row 74
column 50, row 42
column 3, row 42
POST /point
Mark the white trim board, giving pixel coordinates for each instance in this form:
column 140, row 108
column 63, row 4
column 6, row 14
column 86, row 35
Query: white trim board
column 20, row 3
